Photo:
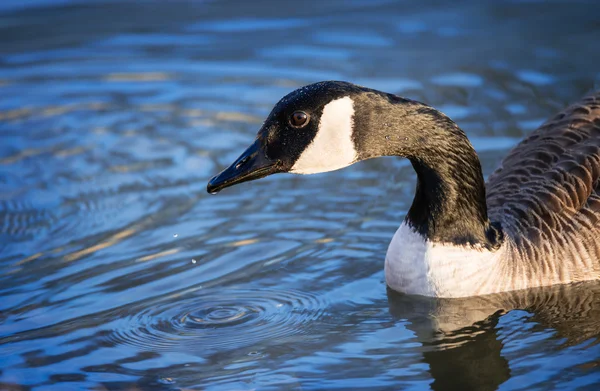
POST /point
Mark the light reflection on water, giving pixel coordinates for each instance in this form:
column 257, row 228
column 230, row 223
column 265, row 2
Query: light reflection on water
column 114, row 115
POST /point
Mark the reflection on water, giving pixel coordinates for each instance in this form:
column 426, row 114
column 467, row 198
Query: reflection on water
column 117, row 271
column 469, row 343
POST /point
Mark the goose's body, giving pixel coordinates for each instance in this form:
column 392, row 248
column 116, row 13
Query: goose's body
column 535, row 223
column 546, row 198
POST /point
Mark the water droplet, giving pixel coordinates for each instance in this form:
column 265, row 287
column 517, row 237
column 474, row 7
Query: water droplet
column 175, row 235
column 166, row 380
column 193, row 261
column 387, row 137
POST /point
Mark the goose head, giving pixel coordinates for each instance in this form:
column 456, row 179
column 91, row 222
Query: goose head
column 323, row 127
column 330, row 125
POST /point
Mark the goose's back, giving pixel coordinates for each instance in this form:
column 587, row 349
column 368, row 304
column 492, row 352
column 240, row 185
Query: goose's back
column 546, row 195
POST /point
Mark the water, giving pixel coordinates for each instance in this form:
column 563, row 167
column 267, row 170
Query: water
column 119, row 272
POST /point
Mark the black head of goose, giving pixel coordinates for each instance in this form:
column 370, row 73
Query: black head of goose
column 536, row 227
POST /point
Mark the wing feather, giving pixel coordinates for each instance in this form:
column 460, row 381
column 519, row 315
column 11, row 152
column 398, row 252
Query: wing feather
column 546, row 193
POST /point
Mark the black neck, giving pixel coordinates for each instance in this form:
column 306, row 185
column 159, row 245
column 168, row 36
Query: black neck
column 449, row 204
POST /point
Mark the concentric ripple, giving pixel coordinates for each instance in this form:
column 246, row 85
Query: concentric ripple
column 219, row 320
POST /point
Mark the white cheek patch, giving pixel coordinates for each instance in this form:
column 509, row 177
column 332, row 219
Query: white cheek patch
column 332, row 148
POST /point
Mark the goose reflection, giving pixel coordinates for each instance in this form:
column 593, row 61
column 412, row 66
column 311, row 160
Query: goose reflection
column 460, row 339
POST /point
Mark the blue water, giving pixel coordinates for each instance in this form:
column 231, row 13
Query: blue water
column 119, row 272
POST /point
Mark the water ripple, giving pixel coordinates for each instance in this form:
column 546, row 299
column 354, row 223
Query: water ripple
column 111, row 128
column 225, row 320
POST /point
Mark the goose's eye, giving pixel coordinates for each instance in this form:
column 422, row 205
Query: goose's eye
column 299, row 119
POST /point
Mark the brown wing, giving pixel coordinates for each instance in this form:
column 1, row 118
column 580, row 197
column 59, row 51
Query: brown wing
column 546, row 192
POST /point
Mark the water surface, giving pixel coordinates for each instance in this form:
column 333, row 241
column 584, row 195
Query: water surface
column 119, row 272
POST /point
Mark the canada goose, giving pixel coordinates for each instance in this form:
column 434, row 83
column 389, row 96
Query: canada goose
column 537, row 226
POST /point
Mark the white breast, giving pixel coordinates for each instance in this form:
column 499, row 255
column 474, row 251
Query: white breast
column 417, row 266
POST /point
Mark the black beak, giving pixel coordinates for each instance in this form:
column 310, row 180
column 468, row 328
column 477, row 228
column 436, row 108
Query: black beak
column 252, row 164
